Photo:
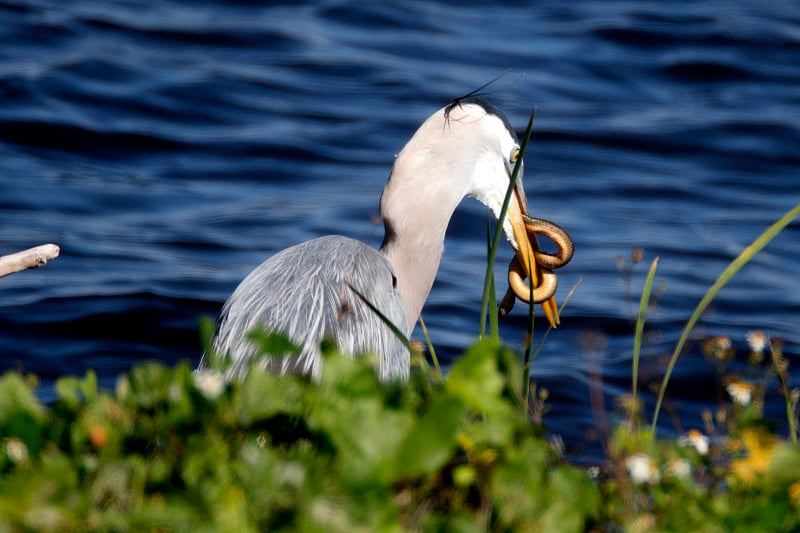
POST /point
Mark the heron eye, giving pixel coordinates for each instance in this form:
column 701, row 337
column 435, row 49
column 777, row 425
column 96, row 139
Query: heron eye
column 512, row 161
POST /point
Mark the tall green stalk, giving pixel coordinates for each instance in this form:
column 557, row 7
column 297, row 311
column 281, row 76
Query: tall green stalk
column 494, row 326
column 637, row 338
column 490, row 260
column 389, row 324
column 788, row 402
column 431, row 349
column 530, row 353
column 528, row 357
column 736, row 265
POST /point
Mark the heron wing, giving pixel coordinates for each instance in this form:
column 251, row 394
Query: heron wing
column 304, row 292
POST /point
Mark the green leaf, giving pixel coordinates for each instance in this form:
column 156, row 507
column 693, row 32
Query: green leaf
column 348, row 409
column 272, row 343
column 784, row 467
column 476, row 379
column 68, row 391
column 265, row 395
column 574, row 501
column 21, row 414
column 431, row 439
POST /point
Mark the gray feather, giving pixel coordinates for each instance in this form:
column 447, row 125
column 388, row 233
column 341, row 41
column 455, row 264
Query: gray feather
column 304, row 292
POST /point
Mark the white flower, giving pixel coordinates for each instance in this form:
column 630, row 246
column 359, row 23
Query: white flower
column 696, row 439
column 680, row 468
column 123, row 387
column 174, row 391
column 757, row 341
column 741, row 392
column 642, row 469
column 16, row 450
column 210, row 383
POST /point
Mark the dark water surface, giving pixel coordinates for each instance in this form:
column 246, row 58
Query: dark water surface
column 169, row 147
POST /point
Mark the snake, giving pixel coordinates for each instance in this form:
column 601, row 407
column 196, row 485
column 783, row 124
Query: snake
column 548, row 282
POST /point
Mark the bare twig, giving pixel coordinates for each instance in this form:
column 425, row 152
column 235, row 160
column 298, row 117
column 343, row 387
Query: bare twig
column 31, row 258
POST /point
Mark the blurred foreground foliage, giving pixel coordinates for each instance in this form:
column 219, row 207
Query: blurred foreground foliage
column 173, row 450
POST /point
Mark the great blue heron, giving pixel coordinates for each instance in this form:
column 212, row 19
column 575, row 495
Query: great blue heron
column 307, row 291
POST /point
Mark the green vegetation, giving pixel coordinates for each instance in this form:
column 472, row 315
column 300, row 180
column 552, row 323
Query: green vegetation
column 170, row 450
column 174, row 450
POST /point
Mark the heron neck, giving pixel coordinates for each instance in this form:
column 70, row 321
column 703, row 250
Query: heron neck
column 416, row 213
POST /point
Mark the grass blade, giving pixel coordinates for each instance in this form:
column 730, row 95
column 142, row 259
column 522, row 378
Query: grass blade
column 787, row 400
column 637, row 338
column 530, row 355
column 488, row 280
column 431, row 349
column 567, row 298
column 494, row 326
column 399, row 334
column 747, row 254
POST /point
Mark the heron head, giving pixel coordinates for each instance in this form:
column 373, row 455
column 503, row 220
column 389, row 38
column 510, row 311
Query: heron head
column 467, row 148
column 488, row 154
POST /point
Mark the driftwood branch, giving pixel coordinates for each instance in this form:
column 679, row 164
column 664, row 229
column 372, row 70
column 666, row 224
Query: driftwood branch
column 31, row 258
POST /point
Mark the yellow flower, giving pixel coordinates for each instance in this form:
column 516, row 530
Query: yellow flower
column 794, row 493
column 759, row 445
column 465, row 441
column 487, row 456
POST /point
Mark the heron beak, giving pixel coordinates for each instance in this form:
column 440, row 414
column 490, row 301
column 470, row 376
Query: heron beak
column 526, row 245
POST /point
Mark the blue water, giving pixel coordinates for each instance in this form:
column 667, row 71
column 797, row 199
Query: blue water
column 169, row 147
